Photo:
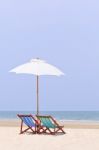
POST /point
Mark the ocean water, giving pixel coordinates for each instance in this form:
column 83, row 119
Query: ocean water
column 60, row 115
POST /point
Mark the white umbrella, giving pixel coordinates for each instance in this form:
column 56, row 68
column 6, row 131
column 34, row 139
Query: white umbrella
column 37, row 67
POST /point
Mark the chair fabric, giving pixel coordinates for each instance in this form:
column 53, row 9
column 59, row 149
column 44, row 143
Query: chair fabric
column 47, row 122
column 28, row 121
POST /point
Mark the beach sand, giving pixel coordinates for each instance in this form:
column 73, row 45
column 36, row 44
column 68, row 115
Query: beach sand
column 79, row 136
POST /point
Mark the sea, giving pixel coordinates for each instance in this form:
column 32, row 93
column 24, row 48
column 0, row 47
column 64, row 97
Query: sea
column 60, row 115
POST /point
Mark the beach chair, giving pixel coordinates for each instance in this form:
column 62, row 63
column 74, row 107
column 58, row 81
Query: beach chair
column 49, row 125
column 29, row 121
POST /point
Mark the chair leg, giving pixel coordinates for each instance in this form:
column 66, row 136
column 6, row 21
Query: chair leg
column 32, row 130
column 39, row 130
column 21, row 127
column 25, row 130
column 60, row 129
column 50, row 132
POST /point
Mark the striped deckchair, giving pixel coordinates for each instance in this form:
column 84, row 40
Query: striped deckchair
column 29, row 121
column 49, row 125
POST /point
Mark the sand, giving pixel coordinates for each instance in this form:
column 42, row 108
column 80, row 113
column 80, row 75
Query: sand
column 78, row 137
column 75, row 139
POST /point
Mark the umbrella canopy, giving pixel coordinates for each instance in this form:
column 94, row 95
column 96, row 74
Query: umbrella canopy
column 37, row 67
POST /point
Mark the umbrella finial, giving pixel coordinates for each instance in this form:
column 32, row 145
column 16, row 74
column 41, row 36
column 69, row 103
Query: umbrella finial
column 37, row 60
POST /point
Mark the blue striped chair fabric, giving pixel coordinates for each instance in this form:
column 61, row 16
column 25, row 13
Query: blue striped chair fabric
column 28, row 121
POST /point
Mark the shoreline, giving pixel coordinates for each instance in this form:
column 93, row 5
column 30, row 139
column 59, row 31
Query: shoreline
column 76, row 124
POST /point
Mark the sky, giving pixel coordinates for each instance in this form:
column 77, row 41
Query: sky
column 65, row 33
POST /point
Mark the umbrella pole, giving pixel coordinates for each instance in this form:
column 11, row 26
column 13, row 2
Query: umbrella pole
column 37, row 84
